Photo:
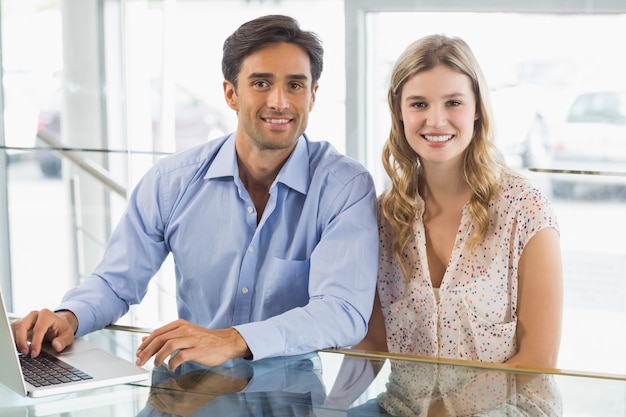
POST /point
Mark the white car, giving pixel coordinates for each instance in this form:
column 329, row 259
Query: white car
column 589, row 148
column 522, row 131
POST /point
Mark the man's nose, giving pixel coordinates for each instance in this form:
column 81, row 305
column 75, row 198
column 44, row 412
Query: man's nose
column 277, row 99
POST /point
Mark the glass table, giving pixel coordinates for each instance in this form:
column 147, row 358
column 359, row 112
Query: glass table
column 334, row 383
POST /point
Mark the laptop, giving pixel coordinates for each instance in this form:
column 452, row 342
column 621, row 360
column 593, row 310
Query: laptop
column 86, row 365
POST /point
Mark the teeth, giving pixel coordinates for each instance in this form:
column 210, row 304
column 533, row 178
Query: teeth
column 442, row 138
column 278, row 121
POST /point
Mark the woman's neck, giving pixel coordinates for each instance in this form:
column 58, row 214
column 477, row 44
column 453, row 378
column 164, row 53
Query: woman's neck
column 443, row 185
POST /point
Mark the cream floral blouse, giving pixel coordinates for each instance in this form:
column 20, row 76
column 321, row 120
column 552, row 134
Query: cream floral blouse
column 475, row 317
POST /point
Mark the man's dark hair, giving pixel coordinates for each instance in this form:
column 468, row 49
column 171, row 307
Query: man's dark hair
column 265, row 30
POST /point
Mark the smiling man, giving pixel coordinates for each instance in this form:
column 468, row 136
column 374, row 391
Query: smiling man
column 274, row 236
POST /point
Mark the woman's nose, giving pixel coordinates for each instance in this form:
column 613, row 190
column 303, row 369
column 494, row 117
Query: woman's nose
column 436, row 117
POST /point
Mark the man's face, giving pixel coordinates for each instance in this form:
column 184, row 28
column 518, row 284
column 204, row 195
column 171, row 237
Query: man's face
column 273, row 97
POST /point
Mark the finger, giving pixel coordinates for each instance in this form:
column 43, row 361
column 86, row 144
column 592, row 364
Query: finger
column 152, row 343
column 45, row 320
column 177, row 351
column 180, row 357
column 198, row 353
column 63, row 340
column 150, row 347
column 166, row 345
column 147, row 340
column 207, row 347
column 20, row 329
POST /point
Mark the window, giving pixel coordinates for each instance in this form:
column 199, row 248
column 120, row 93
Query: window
column 538, row 63
column 113, row 85
column 95, row 91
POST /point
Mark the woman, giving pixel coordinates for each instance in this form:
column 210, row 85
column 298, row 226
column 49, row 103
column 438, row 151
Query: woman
column 470, row 264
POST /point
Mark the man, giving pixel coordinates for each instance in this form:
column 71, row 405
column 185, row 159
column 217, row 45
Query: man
column 274, row 237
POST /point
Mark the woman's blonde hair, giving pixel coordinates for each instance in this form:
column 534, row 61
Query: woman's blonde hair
column 482, row 163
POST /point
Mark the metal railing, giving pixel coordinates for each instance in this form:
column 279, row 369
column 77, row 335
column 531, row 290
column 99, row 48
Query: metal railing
column 87, row 165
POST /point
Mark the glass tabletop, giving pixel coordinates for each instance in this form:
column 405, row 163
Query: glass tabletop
column 335, row 383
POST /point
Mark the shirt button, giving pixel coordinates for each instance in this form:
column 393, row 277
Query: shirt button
column 250, row 249
column 250, row 209
column 244, row 290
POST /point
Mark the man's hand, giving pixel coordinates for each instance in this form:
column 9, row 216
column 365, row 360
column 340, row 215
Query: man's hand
column 39, row 326
column 190, row 342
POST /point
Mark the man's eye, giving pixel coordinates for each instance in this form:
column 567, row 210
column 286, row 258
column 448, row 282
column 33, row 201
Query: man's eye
column 296, row 86
column 260, row 84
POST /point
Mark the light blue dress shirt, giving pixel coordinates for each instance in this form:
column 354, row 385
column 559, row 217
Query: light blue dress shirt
column 301, row 279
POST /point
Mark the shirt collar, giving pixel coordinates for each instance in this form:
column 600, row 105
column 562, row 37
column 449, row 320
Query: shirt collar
column 224, row 161
column 294, row 174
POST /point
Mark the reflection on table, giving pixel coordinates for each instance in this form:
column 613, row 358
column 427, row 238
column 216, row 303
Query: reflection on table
column 289, row 386
column 335, row 383
column 294, row 387
column 426, row 389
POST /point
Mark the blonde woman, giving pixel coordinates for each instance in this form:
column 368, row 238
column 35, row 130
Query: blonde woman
column 470, row 264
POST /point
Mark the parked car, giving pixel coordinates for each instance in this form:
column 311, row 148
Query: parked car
column 522, row 131
column 527, row 102
column 591, row 140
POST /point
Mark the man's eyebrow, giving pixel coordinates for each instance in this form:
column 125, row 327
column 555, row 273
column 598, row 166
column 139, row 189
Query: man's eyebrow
column 269, row 75
column 260, row 75
column 298, row 77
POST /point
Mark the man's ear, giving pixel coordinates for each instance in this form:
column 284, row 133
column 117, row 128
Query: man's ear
column 230, row 95
column 313, row 93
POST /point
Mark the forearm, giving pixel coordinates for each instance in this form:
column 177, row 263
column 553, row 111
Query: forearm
column 376, row 338
column 320, row 324
column 94, row 305
column 540, row 358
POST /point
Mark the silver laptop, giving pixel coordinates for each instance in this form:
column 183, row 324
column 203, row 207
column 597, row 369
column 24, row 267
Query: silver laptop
column 86, row 365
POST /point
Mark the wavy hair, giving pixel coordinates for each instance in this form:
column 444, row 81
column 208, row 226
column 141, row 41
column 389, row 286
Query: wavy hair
column 482, row 162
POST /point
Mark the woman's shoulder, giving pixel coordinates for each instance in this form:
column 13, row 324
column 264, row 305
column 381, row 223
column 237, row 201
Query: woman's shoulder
column 521, row 197
column 514, row 187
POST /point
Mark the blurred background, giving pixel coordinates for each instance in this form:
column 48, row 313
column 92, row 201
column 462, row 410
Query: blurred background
column 94, row 91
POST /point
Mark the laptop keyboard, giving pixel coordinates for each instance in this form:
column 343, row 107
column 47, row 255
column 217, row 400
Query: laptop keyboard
column 45, row 370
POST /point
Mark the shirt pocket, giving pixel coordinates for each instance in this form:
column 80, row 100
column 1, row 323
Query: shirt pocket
column 482, row 340
column 286, row 285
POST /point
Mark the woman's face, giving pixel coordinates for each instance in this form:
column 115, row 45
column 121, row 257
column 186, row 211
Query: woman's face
column 438, row 109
